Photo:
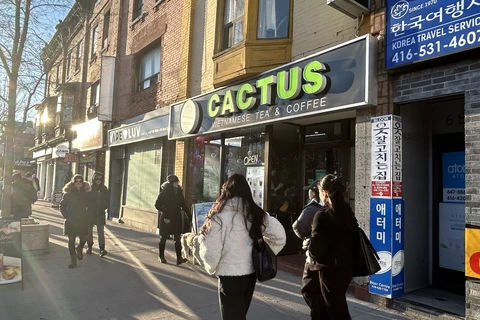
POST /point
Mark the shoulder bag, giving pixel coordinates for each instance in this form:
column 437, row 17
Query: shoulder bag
column 264, row 261
column 365, row 258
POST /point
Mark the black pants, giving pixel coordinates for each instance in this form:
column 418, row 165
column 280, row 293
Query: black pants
column 324, row 291
column 178, row 245
column 235, row 294
column 71, row 243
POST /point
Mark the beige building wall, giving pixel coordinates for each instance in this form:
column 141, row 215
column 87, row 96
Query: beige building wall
column 317, row 26
column 203, row 41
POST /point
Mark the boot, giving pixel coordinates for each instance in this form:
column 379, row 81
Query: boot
column 161, row 252
column 178, row 250
column 79, row 252
column 73, row 262
column 103, row 252
column 89, row 250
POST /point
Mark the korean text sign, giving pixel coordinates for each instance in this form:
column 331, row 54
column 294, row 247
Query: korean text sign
column 387, row 237
column 423, row 29
column 386, row 156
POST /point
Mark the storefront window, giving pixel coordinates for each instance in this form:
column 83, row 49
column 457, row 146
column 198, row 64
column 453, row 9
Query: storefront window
column 246, row 155
column 206, row 167
column 143, row 175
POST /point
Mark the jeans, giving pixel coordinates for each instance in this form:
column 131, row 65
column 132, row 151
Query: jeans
column 235, row 294
column 71, row 244
column 101, row 235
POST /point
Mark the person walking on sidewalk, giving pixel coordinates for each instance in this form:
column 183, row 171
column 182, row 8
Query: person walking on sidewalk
column 226, row 240
column 74, row 206
column 328, row 271
column 23, row 196
column 303, row 225
column 170, row 203
column 99, row 202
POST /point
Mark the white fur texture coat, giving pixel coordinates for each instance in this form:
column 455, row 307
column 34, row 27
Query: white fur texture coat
column 226, row 250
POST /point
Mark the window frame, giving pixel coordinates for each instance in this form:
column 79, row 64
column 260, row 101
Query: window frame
column 227, row 38
column 137, row 9
column 106, row 29
column 78, row 56
column 69, row 64
column 289, row 21
column 95, row 94
column 93, row 52
column 154, row 76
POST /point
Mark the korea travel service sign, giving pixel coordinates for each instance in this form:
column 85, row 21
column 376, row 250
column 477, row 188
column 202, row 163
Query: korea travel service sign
column 418, row 30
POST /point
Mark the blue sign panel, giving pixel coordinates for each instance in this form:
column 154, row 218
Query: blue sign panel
column 423, row 29
column 453, row 177
column 386, row 235
column 381, row 239
column 398, row 253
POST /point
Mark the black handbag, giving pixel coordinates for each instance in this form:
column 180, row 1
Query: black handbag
column 365, row 258
column 186, row 223
column 264, row 261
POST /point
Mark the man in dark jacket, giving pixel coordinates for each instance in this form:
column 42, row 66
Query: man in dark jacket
column 74, row 206
column 170, row 203
column 99, row 202
column 23, row 196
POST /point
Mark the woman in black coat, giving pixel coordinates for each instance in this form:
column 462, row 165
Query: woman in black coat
column 328, row 271
column 74, row 206
column 170, row 203
column 100, row 200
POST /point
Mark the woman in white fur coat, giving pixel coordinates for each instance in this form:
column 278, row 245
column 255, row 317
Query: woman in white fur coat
column 225, row 244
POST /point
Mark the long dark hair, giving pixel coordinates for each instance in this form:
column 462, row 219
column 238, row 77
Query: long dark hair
column 335, row 200
column 237, row 186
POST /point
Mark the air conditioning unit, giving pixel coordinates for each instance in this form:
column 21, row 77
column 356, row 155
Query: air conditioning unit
column 92, row 110
column 352, row 8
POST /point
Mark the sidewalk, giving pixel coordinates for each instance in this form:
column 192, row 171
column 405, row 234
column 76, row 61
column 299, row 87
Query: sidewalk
column 130, row 284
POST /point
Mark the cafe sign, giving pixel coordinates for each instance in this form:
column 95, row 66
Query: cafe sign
column 338, row 78
column 89, row 136
column 139, row 131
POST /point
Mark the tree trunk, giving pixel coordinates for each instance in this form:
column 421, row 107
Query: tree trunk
column 10, row 132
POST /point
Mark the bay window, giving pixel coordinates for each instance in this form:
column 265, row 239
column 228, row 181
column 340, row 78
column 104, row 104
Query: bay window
column 273, row 19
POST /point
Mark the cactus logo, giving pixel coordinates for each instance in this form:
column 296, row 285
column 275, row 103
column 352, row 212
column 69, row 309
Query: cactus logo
column 400, row 9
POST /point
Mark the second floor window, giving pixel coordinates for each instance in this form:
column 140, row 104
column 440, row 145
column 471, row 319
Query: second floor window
column 95, row 94
column 149, row 69
column 79, row 56
column 106, row 29
column 57, row 79
column 233, row 22
column 137, row 8
column 273, row 19
column 94, row 41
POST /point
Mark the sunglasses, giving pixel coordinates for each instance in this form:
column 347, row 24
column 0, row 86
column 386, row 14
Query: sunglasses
column 78, row 181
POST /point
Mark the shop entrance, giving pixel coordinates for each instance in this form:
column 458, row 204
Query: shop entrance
column 448, row 213
column 433, row 164
column 302, row 154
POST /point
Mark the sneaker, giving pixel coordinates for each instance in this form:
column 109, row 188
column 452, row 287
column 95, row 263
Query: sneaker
column 103, row 253
column 79, row 253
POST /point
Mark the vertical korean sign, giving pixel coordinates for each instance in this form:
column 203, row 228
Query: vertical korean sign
column 387, row 206
column 10, row 252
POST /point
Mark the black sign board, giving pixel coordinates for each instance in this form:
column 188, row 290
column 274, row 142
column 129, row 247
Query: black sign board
column 339, row 78
column 10, row 252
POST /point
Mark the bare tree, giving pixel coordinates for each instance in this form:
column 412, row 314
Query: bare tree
column 24, row 26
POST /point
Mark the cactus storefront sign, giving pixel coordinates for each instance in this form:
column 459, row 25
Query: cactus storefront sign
column 338, row 78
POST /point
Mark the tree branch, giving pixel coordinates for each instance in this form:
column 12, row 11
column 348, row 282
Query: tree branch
column 4, row 61
column 23, row 37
